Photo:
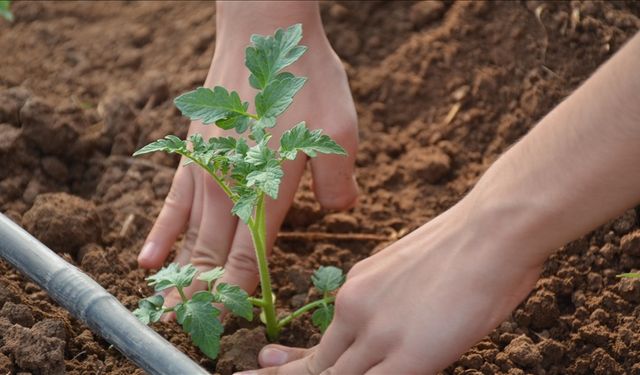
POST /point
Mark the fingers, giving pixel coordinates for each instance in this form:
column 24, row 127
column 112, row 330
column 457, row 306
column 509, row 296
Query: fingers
column 216, row 228
column 278, row 355
column 334, row 181
column 171, row 221
column 336, row 341
column 398, row 364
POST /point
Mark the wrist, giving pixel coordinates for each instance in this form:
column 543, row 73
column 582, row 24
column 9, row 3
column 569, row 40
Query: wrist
column 237, row 21
column 508, row 224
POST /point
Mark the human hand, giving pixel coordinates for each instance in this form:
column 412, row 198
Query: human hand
column 418, row 305
column 213, row 236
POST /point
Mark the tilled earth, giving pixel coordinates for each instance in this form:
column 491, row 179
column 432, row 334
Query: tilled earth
column 441, row 90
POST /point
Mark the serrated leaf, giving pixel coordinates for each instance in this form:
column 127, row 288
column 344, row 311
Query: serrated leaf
column 149, row 309
column 267, row 178
column 328, row 279
column 202, row 296
column 260, row 154
column 240, row 171
column 211, row 275
column 217, row 106
column 265, row 122
column 235, row 299
column 322, row 317
column 300, row 138
column 199, row 318
column 258, row 130
column 223, row 145
column 277, row 96
column 170, row 143
column 269, row 54
column 172, row 276
column 244, row 206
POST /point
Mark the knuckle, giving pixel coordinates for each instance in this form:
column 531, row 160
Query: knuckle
column 344, row 134
column 207, row 258
column 177, row 195
column 190, row 237
column 348, row 306
column 329, row 371
column 243, row 261
column 311, row 364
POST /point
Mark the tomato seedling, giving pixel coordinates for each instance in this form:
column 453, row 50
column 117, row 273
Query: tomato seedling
column 247, row 174
column 5, row 10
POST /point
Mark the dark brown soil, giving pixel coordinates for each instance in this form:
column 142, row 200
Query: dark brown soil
column 441, row 90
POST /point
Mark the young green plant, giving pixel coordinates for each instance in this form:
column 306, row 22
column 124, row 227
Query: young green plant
column 5, row 10
column 248, row 171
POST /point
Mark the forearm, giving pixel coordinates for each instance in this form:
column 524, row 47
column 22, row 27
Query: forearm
column 577, row 168
column 263, row 17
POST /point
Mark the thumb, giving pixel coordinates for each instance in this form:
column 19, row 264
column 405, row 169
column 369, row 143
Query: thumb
column 278, row 355
column 170, row 222
column 334, row 181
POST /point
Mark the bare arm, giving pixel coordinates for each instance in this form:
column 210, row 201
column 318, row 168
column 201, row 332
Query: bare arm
column 457, row 277
column 577, row 168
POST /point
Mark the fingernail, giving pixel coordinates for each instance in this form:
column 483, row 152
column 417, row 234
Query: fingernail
column 147, row 251
column 273, row 357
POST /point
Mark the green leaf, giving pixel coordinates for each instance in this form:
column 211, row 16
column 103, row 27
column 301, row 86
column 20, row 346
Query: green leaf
column 5, row 10
column 260, row 154
column 235, row 299
column 269, row 54
column 632, row 275
column 199, row 318
column 267, row 178
column 265, row 122
column 170, row 143
column 258, row 132
column 214, row 106
column 328, row 279
column 149, row 309
column 223, row 145
column 322, row 317
column 300, row 138
column 247, row 201
column 277, row 97
column 172, row 275
column 211, row 275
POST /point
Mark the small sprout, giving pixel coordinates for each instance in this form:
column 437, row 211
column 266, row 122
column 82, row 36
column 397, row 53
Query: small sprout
column 150, row 309
column 172, row 276
column 328, row 279
column 631, row 275
column 5, row 10
column 211, row 276
column 247, row 174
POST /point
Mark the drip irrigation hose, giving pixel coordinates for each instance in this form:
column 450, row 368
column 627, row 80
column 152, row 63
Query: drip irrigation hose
column 86, row 300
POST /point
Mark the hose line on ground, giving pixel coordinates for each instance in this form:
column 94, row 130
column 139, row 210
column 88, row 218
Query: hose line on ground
column 86, row 300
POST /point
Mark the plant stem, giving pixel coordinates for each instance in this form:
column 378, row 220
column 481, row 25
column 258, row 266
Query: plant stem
column 310, row 306
column 258, row 233
column 256, row 302
column 184, row 298
column 217, row 178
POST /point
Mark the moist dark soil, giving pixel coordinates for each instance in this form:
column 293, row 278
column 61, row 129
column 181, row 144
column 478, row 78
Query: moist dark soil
column 441, row 88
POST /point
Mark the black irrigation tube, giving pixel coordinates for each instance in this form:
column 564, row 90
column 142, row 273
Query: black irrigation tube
column 89, row 302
